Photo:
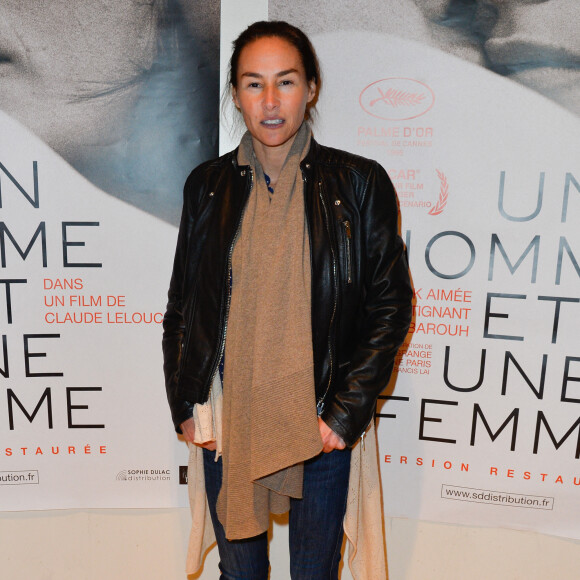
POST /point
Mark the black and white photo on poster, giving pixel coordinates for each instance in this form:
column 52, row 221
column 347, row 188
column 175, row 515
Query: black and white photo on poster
column 473, row 108
column 104, row 110
column 532, row 43
column 125, row 91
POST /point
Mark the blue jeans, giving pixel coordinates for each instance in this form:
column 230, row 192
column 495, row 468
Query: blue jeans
column 315, row 534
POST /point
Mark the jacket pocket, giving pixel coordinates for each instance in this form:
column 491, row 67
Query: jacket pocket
column 348, row 249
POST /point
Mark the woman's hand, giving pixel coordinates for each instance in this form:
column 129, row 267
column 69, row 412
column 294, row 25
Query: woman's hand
column 330, row 440
column 188, row 429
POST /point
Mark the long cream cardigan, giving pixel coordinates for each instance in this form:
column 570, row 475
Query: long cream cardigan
column 363, row 521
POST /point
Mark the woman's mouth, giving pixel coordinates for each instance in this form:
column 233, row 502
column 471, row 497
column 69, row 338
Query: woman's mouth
column 9, row 53
column 515, row 55
column 272, row 122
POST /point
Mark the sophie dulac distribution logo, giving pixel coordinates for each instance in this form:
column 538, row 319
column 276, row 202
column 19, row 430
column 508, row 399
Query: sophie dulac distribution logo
column 141, row 474
column 397, row 99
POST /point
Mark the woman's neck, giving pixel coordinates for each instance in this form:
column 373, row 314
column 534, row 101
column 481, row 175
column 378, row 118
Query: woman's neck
column 272, row 158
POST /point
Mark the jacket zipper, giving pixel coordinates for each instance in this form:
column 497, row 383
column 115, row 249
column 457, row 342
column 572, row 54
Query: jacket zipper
column 348, row 233
column 320, row 403
column 227, row 312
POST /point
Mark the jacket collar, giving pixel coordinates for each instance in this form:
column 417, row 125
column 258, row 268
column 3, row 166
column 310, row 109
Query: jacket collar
column 306, row 163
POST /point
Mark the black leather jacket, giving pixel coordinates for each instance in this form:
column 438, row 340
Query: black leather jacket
column 361, row 293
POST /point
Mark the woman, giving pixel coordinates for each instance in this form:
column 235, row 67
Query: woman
column 289, row 279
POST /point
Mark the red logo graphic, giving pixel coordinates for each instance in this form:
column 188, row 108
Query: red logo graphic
column 443, row 195
column 397, row 99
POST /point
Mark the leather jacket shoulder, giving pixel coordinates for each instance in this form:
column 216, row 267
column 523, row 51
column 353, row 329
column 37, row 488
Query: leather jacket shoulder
column 361, row 293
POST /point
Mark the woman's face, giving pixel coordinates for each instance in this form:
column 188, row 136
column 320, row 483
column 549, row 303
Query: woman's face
column 70, row 70
column 272, row 92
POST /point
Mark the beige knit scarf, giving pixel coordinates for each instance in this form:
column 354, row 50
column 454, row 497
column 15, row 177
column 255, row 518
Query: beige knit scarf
column 269, row 411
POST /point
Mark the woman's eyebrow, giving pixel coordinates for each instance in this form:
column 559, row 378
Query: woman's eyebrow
column 278, row 74
column 286, row 72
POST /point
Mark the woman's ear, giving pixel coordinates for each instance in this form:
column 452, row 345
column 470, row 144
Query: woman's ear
column 311, row 90
column 235, row 97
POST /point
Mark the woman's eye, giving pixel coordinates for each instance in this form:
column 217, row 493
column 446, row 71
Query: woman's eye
column 286, row 82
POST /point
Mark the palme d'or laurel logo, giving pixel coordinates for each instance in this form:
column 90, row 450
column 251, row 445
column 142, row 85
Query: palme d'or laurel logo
column 397, row 99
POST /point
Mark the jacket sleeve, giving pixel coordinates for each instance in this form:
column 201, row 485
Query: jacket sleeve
column 386, row 312
column 174, row 327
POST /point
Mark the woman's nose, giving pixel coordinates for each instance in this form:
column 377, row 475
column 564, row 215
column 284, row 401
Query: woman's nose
column 271, row 99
